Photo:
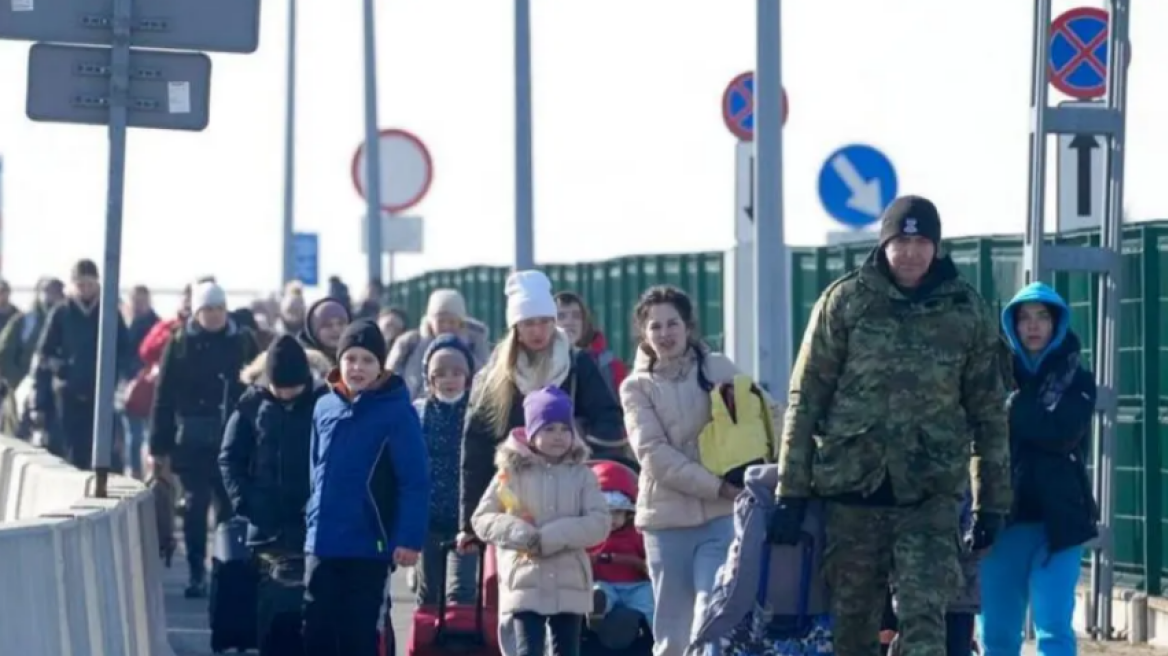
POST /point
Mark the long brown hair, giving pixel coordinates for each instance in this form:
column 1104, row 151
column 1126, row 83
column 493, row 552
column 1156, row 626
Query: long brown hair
column 667, row 295
column 588, row 329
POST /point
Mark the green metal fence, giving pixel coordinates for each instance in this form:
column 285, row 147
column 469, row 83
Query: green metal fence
column 993, row 264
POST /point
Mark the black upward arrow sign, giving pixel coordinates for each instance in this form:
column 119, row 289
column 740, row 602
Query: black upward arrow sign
column 749, row 209
column 1083, row 144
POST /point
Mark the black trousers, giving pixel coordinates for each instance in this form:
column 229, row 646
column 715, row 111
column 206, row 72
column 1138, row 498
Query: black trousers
column 202, row 488
column 343, row 602
column 531, row 631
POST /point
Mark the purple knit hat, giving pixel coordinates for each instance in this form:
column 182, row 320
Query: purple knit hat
column 546, row 406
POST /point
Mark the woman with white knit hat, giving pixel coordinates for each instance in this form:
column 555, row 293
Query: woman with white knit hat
column 445, row 314
column 532, row 355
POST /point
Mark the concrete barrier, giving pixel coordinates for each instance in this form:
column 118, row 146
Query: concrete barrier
column 81, row 576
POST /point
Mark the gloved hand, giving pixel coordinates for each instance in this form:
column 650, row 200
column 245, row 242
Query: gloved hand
column 986, row 527
column 785, row 525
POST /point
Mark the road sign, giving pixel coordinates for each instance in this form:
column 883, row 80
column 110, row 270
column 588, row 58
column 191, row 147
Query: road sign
column 1078, row 53
column 71, row 84
column 1081, row 177
column 399, row 235
column 306, row 252
column 738, row 106
column 214, row 25
column 406, row 170
column 856, row 183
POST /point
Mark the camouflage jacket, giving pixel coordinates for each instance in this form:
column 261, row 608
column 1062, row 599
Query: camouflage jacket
column 911, row 389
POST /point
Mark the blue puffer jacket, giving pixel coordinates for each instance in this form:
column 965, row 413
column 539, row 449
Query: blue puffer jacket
column 369, row 471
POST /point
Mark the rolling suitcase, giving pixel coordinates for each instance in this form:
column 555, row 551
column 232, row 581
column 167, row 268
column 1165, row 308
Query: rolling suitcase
column 234, row 589
column 469, row 630
column 281, row 599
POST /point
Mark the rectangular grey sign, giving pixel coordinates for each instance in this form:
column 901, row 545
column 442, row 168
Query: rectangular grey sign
column 71, row 84
column 212, row 25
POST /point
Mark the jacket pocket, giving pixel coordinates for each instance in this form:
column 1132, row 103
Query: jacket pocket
column 843, row 458
column 941, row 459
column 522, row 571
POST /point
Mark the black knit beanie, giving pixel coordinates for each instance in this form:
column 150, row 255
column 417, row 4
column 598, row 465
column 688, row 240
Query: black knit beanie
column 911, row 216
column 365, row 334
column 287, row 363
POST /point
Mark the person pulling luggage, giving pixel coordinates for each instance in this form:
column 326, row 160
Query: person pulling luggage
column 264, row 461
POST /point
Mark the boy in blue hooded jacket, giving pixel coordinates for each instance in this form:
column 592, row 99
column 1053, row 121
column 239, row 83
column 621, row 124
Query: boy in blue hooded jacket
column 369, row 507
column 1035, row 561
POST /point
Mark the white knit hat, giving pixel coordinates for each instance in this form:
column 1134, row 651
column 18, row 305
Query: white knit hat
column 529, row 296
column 446, row 301
column 207, row 295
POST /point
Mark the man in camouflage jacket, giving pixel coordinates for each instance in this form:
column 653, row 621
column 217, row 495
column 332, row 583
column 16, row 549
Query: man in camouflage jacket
column 896, row 405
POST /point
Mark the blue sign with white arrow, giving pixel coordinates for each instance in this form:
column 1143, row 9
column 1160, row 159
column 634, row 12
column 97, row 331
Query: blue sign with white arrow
column 856, row 183
column 306, row 249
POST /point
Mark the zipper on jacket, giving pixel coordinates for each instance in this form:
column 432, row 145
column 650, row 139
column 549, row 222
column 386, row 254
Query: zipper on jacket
column 381, row 544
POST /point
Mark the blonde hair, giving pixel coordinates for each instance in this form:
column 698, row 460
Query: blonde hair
column 495, row 391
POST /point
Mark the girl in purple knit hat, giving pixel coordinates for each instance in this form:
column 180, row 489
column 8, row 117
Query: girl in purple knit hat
column 542, row 511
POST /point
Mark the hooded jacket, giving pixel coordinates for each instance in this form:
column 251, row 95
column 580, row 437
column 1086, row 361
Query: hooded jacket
column 369, row 473
column 321, row 359
column 405, row 357
column 562, row 504
column 1050, row 413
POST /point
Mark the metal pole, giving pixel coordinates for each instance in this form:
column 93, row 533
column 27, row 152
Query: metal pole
column 373, row 248
column 1039, row 92
column 289, row 257
column 1, row 215
column 1110, row 284
column 771, row 263
column 109, row 318
column 524, row 185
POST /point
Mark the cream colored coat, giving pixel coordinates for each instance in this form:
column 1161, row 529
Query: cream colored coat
column 568, row 514
column 665, row 411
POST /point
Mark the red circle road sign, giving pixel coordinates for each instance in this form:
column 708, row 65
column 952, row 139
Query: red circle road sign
column 738, row 106
column 407, row 170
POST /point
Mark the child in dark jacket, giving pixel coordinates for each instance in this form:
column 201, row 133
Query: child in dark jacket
column 263, row 460
column 369, row 508
column 447, row 365
column 1035, row 560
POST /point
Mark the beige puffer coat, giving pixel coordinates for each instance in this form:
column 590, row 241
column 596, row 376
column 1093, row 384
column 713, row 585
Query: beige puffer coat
column 665, row 411
column 562, row 504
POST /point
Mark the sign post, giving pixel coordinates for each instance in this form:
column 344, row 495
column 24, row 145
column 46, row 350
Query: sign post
column 1081, row 177
column 121, row 87
column 406, row 172
column 741, row 313
column 856, row 183
column 306, row 254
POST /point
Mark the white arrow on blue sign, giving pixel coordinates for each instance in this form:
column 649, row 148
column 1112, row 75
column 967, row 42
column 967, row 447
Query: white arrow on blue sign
column 306, row 248
column 856, row 183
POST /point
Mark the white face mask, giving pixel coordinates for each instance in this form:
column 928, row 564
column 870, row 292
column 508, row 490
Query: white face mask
column 449, row 399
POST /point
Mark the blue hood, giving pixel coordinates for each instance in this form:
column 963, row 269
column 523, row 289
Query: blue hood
column 1036, row 292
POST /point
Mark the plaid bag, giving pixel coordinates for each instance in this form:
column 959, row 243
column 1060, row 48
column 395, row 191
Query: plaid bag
column 762, row 633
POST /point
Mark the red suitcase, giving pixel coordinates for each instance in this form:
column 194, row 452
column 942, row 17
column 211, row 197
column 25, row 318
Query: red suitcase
column 467, row 630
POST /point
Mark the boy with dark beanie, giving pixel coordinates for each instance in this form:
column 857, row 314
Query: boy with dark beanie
column 265, row 451
column 369, row 506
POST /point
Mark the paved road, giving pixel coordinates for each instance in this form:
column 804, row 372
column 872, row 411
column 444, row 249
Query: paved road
column 187, row 620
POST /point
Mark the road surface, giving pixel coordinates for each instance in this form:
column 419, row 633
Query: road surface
column 189, row 635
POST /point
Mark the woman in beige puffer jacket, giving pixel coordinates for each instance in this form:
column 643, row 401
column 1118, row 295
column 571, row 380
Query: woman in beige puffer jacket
column 542, row 510
column 683, row 510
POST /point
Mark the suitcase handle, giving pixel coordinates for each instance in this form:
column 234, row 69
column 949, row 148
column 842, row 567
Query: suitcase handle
column 442, row 634
column 803, row 604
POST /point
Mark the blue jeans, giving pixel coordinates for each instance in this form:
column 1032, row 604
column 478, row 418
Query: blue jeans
column 683, row 565
column 135, row 436
column 1018, row 572
column 634, row 596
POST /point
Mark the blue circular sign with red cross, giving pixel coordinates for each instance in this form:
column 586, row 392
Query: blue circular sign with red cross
column 1078, row 53
column 738, row 106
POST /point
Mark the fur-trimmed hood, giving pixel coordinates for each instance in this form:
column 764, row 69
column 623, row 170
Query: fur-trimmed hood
column 515, row 453
column 253, row 372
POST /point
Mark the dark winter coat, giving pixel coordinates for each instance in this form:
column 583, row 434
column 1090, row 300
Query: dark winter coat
column 198, row 386
column 1050, row 415
column 265, row 465
column 68, row 353
column 442, row 424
